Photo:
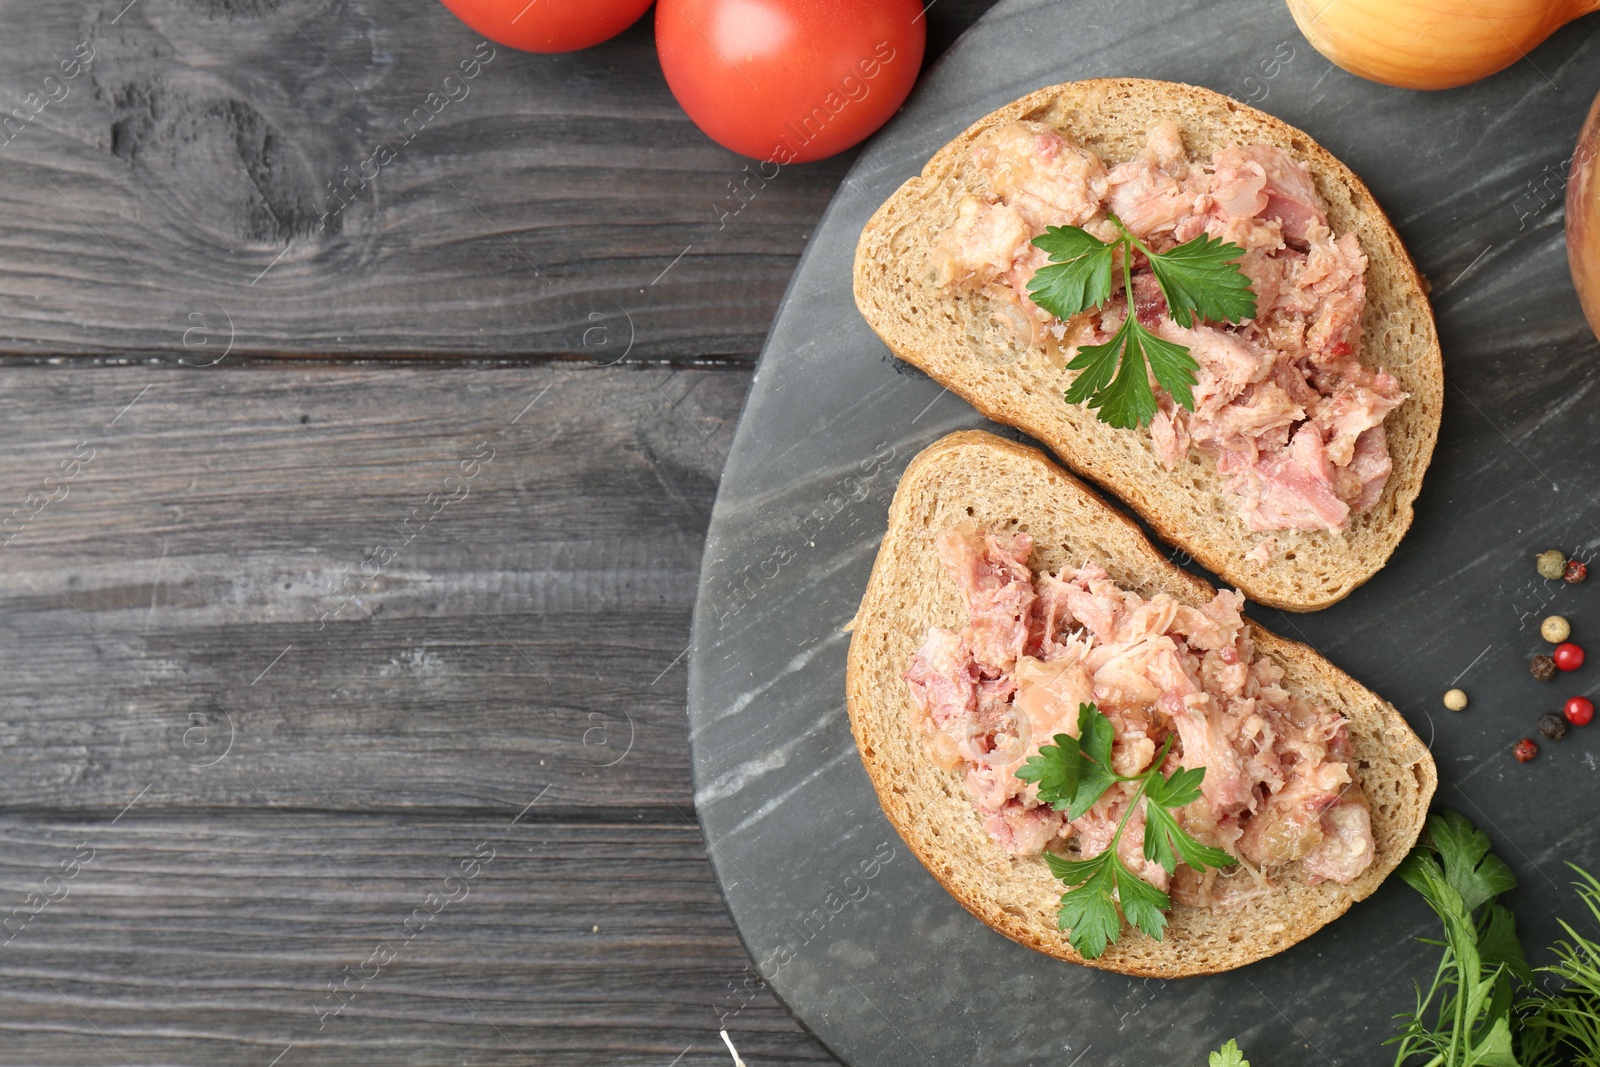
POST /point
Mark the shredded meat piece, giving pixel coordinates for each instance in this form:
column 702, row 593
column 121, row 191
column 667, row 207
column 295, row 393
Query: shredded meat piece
column 1170, row 433
column 1021, row 830
column 1049, row 179
column 982, row 245
column 1265, row 387
column 1347, row 845
column 1369, row 467
column 1291, row 195
column 993, row 570
column 1279, row 782
column 1289, row 490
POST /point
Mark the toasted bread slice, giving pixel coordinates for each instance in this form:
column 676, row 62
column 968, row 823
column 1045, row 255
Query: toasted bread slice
column 955, row 340
column 1008, row 487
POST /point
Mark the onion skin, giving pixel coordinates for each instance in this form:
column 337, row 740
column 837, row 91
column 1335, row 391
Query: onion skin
column 1583, row 219
column 1430, row 44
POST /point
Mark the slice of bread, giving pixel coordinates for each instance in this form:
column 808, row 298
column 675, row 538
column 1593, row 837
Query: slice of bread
column 954, row 338
column 1008, row 487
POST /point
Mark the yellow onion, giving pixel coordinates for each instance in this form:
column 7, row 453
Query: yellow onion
column 1431, row 44
column 1583, row 219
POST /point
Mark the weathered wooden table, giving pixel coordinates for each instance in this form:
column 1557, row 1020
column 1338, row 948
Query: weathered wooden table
column 351, row 504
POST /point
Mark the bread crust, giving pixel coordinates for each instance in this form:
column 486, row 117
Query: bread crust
column 953, row 339
column 1010, row 487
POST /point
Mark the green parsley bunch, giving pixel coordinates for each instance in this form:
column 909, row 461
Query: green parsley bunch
column 1071, row 775
column 1198, row 278
column 1470, row 1000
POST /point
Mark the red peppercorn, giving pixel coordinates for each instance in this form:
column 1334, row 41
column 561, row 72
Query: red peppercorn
column 1579, row 711
column 1524, row 750
column 1568, row 656
column 1574, row 572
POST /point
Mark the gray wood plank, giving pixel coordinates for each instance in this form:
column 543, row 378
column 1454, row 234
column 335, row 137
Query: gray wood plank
column 236, row 588
column 275, row 177
column 351, row 940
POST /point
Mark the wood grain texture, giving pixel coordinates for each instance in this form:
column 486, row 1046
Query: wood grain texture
column 298, row 178
column 357, row 940
column 287, row 645
column 296, row 569
column 221, row 827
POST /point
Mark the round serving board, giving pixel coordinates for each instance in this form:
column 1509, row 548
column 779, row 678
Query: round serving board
column 842, row 921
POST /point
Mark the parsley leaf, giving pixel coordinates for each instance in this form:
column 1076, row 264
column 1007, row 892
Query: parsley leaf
column 1095, row 735
column 1163, row 835
column 1128, row 402
column 1227, row 1056
column 1178, row 790
column 1055, row 770
column 1469, row 866
column 1471, row 995
column 1089, row 906
column 1076, row 771
column 1073, row 872
column 1201, row 276
column 1073, row 774
column 1172, row 365
column 1096, row 364
column 1498, row 943
column 1192, row 852
column 1143, row 904
column 1079, row 275
column 1088, row 911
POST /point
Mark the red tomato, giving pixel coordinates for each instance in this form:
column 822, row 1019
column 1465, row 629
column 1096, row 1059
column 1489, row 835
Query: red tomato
column 548, row 25
column 789, row 81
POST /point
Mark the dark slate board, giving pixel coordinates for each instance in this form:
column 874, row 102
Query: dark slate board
column 889, row 969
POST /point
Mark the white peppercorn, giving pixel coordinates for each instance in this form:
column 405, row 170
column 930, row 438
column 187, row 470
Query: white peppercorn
column 1551, row 564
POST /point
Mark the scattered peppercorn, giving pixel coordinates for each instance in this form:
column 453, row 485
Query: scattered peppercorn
column 1575, row 572
column 1568, row 656
column 1524, row 750
column 1553, row 726
column 1555, row 629
column 1552, row 564
column 1455, row 700
column 1543, row 667
column 1579, row 711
